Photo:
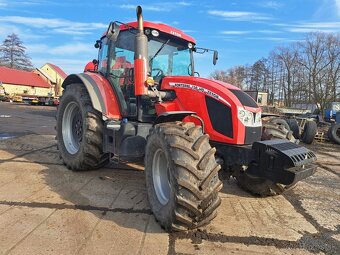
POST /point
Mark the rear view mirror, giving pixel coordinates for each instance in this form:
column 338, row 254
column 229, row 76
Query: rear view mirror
column 97, row 44
column 215, row 57
column 113, row 31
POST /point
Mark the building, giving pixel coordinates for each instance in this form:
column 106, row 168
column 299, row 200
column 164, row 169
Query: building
column 261, row 97
column 54, row 75
column 44, row 81
column 22, row 82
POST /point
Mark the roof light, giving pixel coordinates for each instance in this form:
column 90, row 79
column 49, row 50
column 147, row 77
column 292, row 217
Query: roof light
column 155, row 33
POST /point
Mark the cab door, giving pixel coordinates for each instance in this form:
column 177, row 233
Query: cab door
column 121, row 71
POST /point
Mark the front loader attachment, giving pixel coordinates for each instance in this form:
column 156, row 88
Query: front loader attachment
column 281, row 161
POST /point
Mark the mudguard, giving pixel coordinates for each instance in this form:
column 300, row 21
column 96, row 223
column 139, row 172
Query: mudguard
column 172, row 116
column 102, row 96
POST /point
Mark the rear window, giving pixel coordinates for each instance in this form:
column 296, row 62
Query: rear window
column 244, row 98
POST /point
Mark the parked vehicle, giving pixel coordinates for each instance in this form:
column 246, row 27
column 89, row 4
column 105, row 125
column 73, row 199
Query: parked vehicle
column 330, row 112
column 56, row 101
column 17, row 99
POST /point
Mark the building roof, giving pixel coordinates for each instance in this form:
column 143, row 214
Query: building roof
column 21, row 77
column 58, row 70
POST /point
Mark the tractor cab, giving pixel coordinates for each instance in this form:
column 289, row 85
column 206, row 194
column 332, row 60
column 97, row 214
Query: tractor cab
column 167, row 52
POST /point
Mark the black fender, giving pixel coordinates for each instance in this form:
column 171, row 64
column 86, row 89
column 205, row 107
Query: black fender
column 176, row 116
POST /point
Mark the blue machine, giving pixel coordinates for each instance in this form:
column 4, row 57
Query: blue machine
column 331, row 111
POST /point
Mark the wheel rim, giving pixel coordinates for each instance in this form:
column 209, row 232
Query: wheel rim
column 160, row 175
column 72, row 128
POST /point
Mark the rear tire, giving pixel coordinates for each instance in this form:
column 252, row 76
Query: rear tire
column 309, row 132
column 181, row 176
column 79, row 130
column 334, row 133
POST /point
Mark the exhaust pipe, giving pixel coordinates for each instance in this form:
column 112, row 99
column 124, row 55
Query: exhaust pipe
column 140, row 19
column 141, row 57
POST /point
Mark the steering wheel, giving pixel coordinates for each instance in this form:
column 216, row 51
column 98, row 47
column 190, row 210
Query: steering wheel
column 159, row 74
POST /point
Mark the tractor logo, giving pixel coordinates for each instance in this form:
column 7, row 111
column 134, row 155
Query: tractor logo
column 175, row 33
column 200, row 89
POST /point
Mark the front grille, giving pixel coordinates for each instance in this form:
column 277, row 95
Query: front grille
column 220, row 117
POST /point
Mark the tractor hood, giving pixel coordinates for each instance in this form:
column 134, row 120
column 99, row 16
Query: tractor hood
column 229, row 114
column 220, row 91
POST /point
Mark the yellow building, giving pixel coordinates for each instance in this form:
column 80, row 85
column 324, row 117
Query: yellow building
column 54, row 75
column 44, row 81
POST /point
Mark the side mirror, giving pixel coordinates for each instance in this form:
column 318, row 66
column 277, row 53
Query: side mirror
column 97, row 44
column 215, row 57
column 113, row 31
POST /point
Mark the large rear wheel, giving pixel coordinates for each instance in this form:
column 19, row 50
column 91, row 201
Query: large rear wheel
column 181, row 176
column 79, row 130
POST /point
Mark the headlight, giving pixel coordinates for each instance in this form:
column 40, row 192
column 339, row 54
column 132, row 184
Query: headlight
column 258, row 119
column 248, row 118
column 241, row 113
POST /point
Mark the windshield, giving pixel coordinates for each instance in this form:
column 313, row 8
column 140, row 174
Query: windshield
column 169, row 57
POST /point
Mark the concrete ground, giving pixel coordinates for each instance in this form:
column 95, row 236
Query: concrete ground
column 47, row 209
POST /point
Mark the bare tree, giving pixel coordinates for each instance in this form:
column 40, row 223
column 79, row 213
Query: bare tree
column 220, row 75
column 333, row 54
column 288, row 58
column 259, row 75
column 234, row 76
column 304, row 72
column 13, row 55
column 316, row 63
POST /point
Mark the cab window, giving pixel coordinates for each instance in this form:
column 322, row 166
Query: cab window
column 103, row 56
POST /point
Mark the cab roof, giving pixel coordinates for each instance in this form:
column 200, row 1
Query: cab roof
column 160, row 27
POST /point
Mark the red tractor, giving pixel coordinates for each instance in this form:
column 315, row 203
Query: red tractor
column 145, row 101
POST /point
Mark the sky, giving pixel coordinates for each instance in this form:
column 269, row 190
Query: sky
column 243, row 31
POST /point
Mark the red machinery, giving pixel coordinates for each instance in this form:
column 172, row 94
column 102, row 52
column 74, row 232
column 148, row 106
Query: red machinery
column 144, row 101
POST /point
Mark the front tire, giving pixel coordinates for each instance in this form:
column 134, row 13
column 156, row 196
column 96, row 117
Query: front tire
column 181, row 176
column 79, row 130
